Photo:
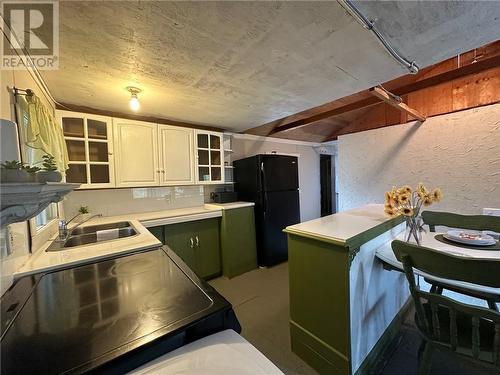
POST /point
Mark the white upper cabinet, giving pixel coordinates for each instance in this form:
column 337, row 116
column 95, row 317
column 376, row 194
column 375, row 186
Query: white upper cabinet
column 209, row 157
column 89, row 140
column 107, row 152
column 176, row 155
column 136, row 153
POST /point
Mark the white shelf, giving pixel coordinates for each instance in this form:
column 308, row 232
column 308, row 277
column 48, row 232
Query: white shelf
column 228, row 150
column 22, row 201
column 229, row 167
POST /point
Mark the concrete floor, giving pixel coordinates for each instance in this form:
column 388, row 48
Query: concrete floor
column 260, row 300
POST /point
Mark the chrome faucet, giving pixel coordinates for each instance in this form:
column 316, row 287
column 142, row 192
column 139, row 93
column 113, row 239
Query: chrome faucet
column 63, row 225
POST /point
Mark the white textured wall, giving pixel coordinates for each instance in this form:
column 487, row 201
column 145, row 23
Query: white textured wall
column 459, row 152
column 309, row 184
column 376, row 296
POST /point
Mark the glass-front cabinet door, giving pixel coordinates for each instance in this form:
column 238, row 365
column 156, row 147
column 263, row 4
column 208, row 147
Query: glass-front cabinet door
column 89, row 141
column 209, row 157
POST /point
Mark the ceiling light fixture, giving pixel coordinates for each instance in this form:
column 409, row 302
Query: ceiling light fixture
column 134, row 100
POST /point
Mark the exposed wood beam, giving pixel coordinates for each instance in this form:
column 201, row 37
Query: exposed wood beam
column 386, row 97
column 435, row 80
column 323, row 115
column 467, row 92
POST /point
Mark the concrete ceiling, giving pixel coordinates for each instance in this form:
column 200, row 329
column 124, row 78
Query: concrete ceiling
column 237, row 65
column 429, row 32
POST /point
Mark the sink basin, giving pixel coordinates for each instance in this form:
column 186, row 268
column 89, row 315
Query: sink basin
column 95, row 228
column 91, row 237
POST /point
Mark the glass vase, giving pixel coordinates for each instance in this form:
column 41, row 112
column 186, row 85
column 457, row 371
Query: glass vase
column 413, row 232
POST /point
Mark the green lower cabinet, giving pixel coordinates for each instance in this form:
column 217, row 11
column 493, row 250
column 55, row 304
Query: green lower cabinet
column 319, row 304
column 197, row 243
column 158, row 233
column 180, row 238
column 238, row 243
column 207, row 248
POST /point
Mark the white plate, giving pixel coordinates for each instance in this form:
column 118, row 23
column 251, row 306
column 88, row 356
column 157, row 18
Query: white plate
column 469, row 237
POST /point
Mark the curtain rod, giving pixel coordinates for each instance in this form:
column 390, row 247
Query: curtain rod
column 18, row 91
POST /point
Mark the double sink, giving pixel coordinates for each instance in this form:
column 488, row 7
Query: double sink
column 92, row 234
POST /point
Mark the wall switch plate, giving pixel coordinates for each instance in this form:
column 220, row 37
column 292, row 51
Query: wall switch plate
column 491, row 211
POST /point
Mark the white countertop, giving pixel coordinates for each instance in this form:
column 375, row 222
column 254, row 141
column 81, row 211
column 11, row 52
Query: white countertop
column 179, row 215
column 342, row 226
column 43, row 260
column 386, row 254
column 231, row 205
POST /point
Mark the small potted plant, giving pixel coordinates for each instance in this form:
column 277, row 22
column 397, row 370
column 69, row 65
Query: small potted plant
column 32, row 172
column 14, row 171
column 83, row 214
column 49, row 172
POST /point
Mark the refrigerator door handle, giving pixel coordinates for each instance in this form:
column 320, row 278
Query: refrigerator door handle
column 263, row 175
column 264, row 204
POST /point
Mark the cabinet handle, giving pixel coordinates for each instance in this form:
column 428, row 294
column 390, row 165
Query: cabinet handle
column 110, row 153
column 163, row 171
column 192, row 242
column 157, row 171
column 197, row 242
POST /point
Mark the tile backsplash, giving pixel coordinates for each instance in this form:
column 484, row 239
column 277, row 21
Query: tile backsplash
column 110, row 202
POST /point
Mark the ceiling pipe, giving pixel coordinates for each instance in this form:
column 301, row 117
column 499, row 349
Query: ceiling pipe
column 370, row 25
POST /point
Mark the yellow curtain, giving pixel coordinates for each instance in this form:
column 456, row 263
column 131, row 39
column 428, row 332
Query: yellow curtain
column 41, row 133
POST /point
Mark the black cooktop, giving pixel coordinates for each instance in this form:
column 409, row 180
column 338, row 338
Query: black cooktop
column 110, row 316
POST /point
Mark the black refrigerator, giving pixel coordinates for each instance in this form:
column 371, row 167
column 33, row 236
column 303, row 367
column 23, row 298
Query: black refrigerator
column 272, row 182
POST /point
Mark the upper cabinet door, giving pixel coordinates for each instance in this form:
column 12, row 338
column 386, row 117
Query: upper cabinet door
column 89, row 140
column 176, row 155
column 136, row 153
column 209, row 157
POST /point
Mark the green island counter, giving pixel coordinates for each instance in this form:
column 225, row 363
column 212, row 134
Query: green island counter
column 344, row 307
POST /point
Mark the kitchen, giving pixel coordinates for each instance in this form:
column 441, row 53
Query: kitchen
column 184, row 132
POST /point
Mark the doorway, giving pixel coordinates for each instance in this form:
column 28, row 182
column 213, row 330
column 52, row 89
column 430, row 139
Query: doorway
column 327, row 182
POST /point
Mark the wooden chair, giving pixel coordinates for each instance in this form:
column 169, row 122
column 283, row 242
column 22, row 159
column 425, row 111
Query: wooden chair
column 474, row 222
column 470, row 331
column 451, row 220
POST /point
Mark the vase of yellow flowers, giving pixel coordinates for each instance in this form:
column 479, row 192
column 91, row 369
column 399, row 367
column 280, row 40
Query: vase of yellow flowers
column 407, row 202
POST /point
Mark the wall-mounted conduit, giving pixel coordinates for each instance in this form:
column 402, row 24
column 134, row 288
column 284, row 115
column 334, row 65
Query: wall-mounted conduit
column 370, row 25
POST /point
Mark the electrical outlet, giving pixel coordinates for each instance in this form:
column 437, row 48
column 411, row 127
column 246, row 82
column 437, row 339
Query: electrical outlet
column 491, row 211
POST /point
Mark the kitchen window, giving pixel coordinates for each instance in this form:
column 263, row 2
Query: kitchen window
column 46, row 216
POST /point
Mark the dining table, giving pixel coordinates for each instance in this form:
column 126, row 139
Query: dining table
column 433, row 240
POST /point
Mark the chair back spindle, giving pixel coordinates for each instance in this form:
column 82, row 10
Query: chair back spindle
column 465, row 329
